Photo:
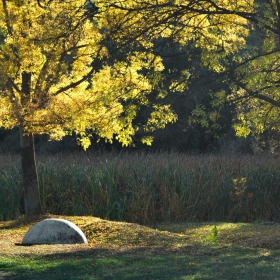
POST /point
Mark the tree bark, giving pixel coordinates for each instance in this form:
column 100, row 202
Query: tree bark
column 32, row 201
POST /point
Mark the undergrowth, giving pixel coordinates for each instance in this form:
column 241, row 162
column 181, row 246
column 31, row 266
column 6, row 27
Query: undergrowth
column 149, row 188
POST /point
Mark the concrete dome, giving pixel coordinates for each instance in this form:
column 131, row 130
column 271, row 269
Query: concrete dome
column 54, row 231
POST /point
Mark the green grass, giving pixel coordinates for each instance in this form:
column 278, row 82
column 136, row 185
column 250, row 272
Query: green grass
column 149, row 188
column 226, row 264
column 130, row 251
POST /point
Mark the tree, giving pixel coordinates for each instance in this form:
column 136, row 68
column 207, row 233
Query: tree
column 239, row 39
column 209, row 29
column 254, row 73
column 57, row 78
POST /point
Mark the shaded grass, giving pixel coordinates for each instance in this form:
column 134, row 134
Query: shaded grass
column 130, row 251
column 241, row 264
column 149, row 188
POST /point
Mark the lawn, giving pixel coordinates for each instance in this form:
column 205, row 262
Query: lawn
column 119, row 250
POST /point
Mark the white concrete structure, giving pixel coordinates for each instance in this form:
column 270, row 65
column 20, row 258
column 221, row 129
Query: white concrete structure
column 54, row 231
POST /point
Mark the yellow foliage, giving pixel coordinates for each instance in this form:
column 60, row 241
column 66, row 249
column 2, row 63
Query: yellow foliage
column 58, row 45
column 73, row 86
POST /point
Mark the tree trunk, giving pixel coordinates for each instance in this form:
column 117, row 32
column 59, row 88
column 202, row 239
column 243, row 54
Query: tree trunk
column 32, row 201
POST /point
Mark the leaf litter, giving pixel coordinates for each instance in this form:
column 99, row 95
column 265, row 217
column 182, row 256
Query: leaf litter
column 192, row 238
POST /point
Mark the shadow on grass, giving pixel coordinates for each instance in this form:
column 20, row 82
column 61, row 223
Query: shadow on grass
column 188, row 262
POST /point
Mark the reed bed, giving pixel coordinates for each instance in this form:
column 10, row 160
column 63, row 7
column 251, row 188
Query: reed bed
column 149, row 188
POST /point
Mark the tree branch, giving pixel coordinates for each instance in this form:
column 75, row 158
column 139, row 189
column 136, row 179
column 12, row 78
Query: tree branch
column 258, row 95
column 95, row 65
column 11, row 82
column 7, row 17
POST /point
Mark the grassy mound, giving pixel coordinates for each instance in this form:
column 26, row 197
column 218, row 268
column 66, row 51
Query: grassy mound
column 119, row 250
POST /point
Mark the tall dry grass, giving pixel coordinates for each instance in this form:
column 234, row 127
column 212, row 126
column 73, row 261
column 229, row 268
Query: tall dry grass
column 149, row 188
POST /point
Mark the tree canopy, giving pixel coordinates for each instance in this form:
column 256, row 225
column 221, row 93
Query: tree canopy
column 238, row 39
column 56, row 76
column 254, row 73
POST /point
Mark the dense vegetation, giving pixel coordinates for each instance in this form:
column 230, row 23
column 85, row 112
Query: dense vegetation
column 149, row 188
